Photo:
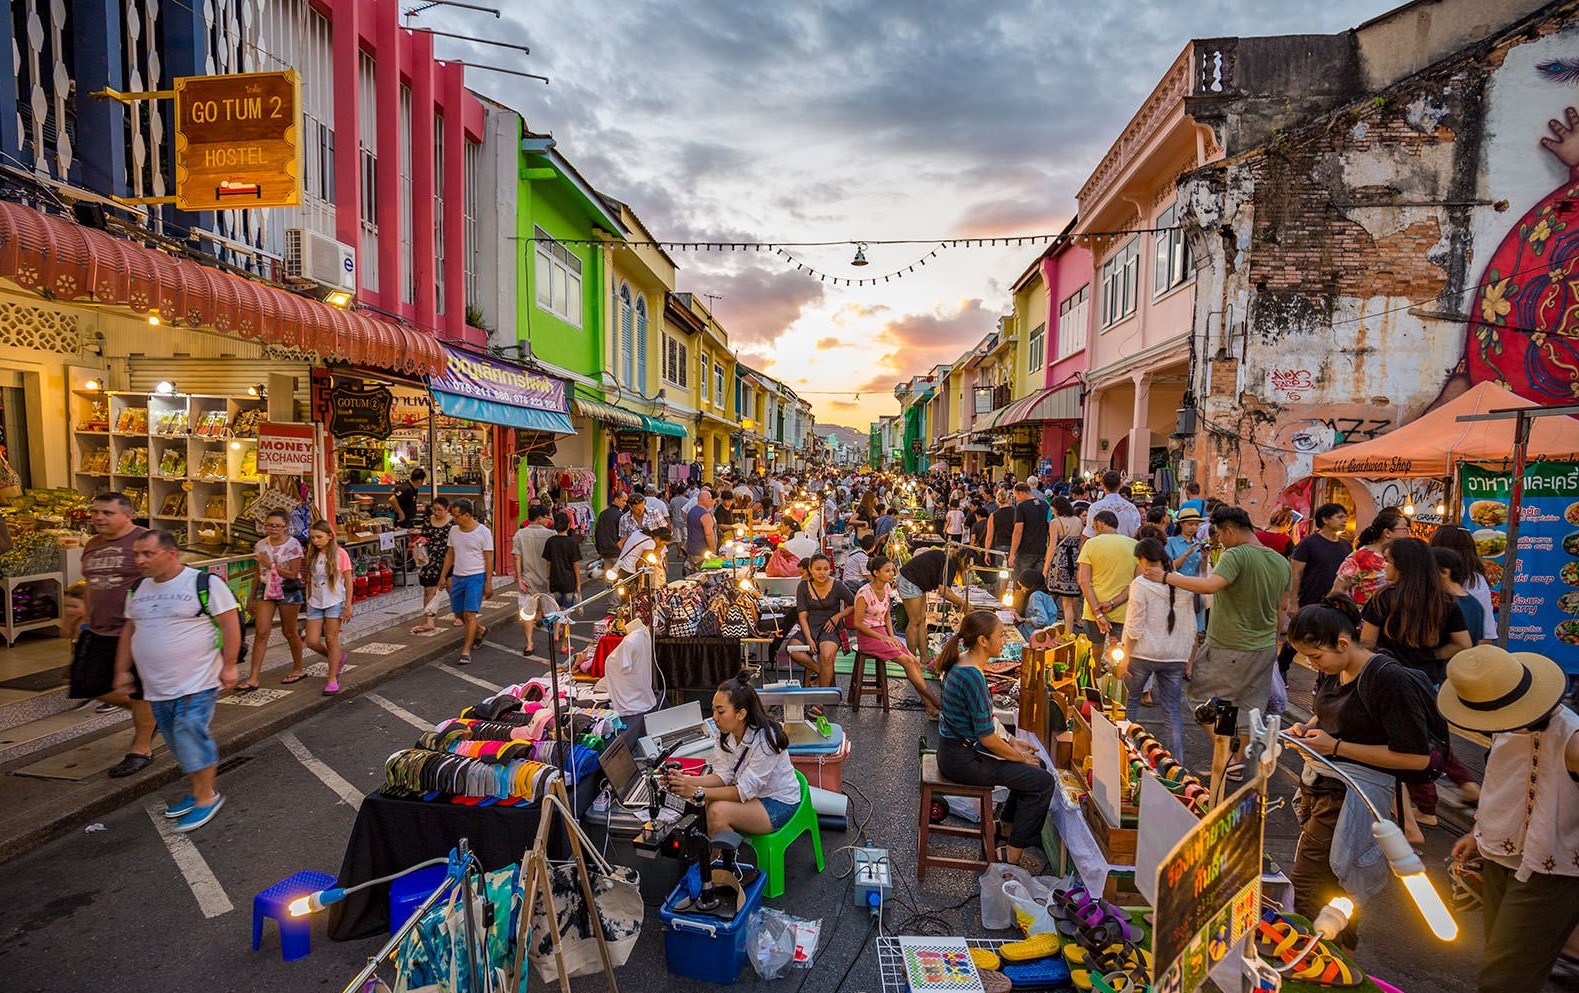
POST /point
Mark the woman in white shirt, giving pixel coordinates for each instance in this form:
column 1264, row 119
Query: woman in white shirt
column 633, row 554
column 1159, row 635
column 752, row 788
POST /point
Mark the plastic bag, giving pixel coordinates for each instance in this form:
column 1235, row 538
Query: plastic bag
column 778, row 942
column 1278, row 702
column 1012, row 897
column 1029, row 900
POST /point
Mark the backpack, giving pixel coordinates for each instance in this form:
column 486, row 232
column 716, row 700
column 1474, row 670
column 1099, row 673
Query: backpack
column 203, row 611
column 1420, row 695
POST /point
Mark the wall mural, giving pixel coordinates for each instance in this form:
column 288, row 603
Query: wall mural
column 1524, row 318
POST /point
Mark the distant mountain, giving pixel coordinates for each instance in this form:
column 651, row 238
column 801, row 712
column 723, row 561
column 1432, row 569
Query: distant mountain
column 853, row 437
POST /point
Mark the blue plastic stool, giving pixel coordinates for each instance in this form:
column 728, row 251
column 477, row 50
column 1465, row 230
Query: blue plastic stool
column 407, row 893
column 295, row 932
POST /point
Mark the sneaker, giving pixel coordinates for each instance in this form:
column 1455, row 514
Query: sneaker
column 181, row 807
column 198, row 816
column 132, row 763
column 105, row 708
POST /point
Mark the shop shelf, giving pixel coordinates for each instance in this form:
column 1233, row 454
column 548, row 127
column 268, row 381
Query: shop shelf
column 99, row 434
column 10, row 629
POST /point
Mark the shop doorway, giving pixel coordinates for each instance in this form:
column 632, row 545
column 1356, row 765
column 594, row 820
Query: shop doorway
column 13, row 439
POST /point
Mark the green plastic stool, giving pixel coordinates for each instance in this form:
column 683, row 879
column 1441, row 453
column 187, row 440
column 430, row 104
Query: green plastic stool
column 770, row 848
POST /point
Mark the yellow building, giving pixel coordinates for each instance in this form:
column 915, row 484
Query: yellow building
column 699, row 366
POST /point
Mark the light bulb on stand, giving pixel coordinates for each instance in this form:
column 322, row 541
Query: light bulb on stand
column 529, row 609
column 1117, row 654
column 1008, row 599
column 1406, row 865
column 611, row 575
column 1409, row 508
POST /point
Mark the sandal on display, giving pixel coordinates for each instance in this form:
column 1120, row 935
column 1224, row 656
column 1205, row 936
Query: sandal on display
column 985, row 959
column 1037, row 946
column 1043, row 973
column 993, row 981
column 1309, row 959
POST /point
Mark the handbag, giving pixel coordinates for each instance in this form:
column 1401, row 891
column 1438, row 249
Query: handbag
column 433, row 956
column 616, row 894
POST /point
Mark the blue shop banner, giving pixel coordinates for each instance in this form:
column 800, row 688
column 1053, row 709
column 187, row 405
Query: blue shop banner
column 482, row 389
column 1545, row 613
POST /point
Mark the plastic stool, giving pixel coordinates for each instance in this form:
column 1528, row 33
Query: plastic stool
column 295, row 932
column 407, row 893
column 770, row 848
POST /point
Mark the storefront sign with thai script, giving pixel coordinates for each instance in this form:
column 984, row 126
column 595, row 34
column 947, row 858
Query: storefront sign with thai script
column 237, row 141
column 480, row 378
column 285, row 448
column 357, row 412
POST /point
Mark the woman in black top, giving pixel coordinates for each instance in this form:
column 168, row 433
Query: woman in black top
column 1370, row 722
column 933, row 569
column 822, row 606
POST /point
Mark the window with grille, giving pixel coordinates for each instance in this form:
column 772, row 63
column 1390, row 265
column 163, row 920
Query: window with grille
column 438, row 213
column 473, row 244
column 408, row 269
column 1072, row 322
column 557, row 275
column 675, row 365
column 627, row 319
column 367, row 158
column 641, row 344
column 1036, row 350
column 718, row 385
column 1170, row 254
column 1120, row 283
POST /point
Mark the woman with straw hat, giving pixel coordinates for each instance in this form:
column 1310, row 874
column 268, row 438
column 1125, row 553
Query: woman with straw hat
column 1527, row 824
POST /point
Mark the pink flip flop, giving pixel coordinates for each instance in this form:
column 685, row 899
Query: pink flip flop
column 330, row 689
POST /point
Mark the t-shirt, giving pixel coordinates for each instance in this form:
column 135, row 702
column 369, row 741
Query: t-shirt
column 109, row 570
column 1474, row 616
column 884, row 525
column 696, row 530
column 955, row 523
column 319, row 594
column 876, row 609
column 471, row 549
column 406, row 499
column 1032, row 514
column 852, row 571
column 820, row 610
column 636, row 546
column 288, row 551
column 628, row 671
column 1127, row 513
column 175, row 646
column 1385, row 716
column 1111, row 557
column 1177, row 546
column 1003, row 527
column 606, row 531
column 1423, row 657
column 1244, row 613
column 528, row 548
column 966, row 705
column 927, row 569
column 723, row 517
column 561, row 552
column 1365, row 570
column 1322, row 559
column 1275, row 540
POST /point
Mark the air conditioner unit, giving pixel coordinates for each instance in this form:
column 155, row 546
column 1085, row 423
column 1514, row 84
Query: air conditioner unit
column 314, row 258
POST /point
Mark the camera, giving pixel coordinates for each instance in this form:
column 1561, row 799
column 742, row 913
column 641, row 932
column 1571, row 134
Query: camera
column 1222, row 714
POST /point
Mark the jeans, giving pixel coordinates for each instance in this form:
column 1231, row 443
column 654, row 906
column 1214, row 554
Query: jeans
column 1030, row 786
column 1169, row 696
column 1526, row 926
column 1312, row 875
column 183, row 723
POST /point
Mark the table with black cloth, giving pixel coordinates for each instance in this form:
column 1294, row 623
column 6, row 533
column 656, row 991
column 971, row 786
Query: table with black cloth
column 393, row 834
column 693, row 668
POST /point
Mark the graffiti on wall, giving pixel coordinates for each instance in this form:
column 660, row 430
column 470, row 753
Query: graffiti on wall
column 1523, row 330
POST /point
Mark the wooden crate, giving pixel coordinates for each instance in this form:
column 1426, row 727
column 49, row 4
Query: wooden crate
column 1116, row 842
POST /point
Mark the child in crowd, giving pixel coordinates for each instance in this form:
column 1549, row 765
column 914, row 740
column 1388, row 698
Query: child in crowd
column 564, row 579
column 329, row 579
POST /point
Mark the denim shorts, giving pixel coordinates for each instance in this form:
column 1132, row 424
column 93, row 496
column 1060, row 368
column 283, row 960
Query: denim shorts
column 907, row 589
column 183, row 723
column 466, row 593
column 319, row 613
column 779, row 812
column 287, row 597
column 566, row 600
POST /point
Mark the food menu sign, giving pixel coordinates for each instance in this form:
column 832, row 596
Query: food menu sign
column 1545, row 612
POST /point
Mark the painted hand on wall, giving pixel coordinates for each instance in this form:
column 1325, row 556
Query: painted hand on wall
column 1564, row 142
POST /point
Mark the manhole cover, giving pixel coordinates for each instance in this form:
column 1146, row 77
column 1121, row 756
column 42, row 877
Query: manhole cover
column 321, row 669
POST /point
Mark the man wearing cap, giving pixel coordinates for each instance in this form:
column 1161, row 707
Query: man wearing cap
column 1527, row 824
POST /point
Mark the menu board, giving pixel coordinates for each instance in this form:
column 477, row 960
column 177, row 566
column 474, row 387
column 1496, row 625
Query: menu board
column 1545, row 614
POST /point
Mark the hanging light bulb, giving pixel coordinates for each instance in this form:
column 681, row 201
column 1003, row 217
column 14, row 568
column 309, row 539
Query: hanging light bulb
column 1441, row 508
column 1409, row 508
column 860, row 255
column 1117, row 654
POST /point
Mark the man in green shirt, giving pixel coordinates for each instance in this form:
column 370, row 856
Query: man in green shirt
column 1247, row 585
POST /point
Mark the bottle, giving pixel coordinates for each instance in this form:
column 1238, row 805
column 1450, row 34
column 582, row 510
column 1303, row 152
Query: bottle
column 360, row 585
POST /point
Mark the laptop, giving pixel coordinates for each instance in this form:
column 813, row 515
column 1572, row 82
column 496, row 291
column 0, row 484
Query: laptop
column 619, row 765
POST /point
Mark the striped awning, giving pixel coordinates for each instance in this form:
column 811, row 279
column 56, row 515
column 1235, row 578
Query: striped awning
column 1056, row 403
column 607, row 413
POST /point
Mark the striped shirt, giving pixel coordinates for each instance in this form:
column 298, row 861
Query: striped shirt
column 967, row 706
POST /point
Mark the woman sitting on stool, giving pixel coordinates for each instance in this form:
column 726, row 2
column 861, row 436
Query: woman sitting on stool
column 972, row 749
column 752, row 789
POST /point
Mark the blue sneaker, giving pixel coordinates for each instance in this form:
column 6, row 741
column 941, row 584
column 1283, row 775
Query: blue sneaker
column 181, row 807
column 198, row 816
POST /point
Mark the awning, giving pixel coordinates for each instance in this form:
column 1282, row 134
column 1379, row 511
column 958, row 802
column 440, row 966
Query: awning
column 607, row 413
column 653, row 425
column 66, row 261
column 479, row 388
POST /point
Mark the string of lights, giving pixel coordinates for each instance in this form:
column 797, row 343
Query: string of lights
column 859, row 281
column 997, row 241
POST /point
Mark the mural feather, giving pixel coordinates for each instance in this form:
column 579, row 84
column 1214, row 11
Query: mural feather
column 1560, row 70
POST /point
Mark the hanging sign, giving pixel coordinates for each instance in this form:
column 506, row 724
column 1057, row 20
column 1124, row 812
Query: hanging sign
column 286, row 449
column 1545, row 612
column 480, row 378
column 1208, row 892
column 237, row 141
column 355, row 412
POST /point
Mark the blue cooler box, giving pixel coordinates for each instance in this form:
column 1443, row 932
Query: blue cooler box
column 700, row 946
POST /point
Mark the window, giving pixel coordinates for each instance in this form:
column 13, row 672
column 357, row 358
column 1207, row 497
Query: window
column 473, row 248
column 438, row 213
column 641, row 344
column 1037, row 348
column 627, row 333
column 558, row 278
column 676, row 367
column 1120, row 283
column 718, row 385
column 1170, row 256
column 408, row 275
column 367, row 158
column 1072, row 322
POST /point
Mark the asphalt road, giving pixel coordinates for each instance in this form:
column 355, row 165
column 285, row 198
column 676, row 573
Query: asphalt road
column 113, row 908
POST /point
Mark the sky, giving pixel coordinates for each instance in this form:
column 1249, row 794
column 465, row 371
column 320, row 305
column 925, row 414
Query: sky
column 847, row 121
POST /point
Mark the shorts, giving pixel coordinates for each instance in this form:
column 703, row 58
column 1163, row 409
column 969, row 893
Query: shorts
column 331, row 612
column 566, row 600
column 288, row 596
column 183, row 723
column 779, row 812
column 466, row 593
column 1240, row 677
column 907, row 589
column 93, row 667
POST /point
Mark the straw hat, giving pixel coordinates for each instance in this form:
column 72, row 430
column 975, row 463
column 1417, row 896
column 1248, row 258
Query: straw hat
column 1188, row 514
column 1490, row 689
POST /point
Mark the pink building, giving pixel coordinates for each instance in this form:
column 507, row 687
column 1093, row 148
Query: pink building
column 1066, row 269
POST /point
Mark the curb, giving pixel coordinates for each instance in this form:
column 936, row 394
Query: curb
column 244, row 735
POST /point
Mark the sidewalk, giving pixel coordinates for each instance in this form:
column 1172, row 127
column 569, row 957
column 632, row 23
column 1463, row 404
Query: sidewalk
column 60, row 789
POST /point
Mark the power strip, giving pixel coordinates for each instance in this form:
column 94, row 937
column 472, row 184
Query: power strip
column 873, row 883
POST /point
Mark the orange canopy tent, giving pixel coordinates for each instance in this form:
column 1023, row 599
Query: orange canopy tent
column 1432, row 444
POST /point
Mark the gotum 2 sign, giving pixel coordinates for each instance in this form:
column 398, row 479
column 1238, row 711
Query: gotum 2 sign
column 237, row 141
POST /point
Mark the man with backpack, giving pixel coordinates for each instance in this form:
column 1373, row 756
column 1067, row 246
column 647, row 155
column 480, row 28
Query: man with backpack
column 183, row 631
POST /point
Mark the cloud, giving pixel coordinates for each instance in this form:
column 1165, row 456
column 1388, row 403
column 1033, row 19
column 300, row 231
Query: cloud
column 826, row 344
column 920, row 341
column 758, row 305
column 841, row 404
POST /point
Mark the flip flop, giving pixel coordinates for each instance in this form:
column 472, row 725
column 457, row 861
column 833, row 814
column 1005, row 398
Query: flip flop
column 330, row 689
column 464, row 660
column 244, row 688
column 422, row 629
column 294, row 677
